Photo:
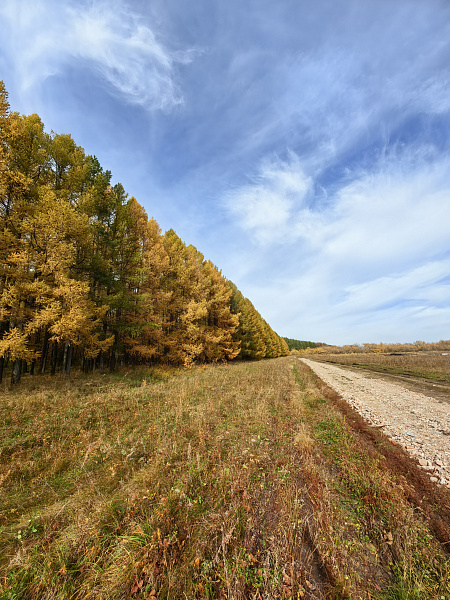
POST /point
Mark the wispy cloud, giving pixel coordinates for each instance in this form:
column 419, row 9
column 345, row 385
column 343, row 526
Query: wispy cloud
column 362, row 81
column 379, row 209
column 266, row 206
column 376, row 253
column 106, row 38
column 322, row 303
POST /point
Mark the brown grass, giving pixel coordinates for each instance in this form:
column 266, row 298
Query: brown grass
column 240, row 481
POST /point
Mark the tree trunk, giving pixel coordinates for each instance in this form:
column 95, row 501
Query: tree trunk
column 2, row 362
column 54, row 357
column 16, row 371
column 69, row 359
column 61, row 354
column 44, row 353
column 64, row 360
column 112, row 362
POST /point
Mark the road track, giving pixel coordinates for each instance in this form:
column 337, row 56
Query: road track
column 418, row 422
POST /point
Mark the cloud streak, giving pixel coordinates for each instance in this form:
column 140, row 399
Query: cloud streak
column 107, row 39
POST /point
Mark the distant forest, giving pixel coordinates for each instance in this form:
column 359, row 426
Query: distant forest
column 298, row 344
column 87, row 278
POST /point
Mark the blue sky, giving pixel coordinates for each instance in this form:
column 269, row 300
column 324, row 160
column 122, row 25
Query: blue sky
column 301, row 146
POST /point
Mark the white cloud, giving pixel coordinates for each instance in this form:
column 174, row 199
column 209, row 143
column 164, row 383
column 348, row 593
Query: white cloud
column 323, row 304
column 266, row 206
column 371, row 265
column 106, row 37
column 417, row 287
column 398, row 210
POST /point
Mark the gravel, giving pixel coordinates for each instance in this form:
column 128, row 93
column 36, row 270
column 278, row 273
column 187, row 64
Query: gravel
column 419, row 423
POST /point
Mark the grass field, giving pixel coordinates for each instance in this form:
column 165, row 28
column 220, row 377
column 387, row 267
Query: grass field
column 430, row 365
column 242, row 481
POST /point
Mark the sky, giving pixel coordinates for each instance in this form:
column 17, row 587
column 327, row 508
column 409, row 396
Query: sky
column 303, row 147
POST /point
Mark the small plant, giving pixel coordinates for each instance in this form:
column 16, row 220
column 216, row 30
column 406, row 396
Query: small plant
column 29, row 530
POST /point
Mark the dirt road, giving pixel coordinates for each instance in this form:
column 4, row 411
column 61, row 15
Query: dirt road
column 420, row 423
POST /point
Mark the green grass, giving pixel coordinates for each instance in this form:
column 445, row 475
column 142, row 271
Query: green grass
column 239, row 481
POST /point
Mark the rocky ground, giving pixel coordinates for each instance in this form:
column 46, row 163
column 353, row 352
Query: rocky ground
column 418, row 422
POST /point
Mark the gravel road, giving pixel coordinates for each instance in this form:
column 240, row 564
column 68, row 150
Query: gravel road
column 419, row 423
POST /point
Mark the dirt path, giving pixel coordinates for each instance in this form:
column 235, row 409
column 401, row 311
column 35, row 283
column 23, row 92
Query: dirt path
column 420, row 423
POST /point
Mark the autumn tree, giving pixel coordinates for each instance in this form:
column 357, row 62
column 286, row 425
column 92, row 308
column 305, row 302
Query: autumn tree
column 143, row 318
column 23, row 171
column 41, row 299
column 187, row 308
column 220, row 323
column 250, row 332
column 86, row 276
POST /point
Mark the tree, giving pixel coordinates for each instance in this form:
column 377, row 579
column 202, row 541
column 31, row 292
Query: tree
column 187, row 307
column 250, row 332
column 41, row 295
column 143, row 320
column 220, row 323
column 85, row 275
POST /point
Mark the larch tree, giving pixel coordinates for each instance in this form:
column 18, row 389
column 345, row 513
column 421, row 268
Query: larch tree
column 250, row 332
column 24, row 170
column 186, row 309
column 143, row 318
column 220, row 324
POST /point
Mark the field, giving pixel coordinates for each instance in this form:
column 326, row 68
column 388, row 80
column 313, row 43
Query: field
column 244, row 481
column 429, row 365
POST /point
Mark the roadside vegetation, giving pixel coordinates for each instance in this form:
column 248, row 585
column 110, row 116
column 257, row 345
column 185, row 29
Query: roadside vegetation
column 236, row 481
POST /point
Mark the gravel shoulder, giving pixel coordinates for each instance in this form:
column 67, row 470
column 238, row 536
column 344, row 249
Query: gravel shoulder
column 417, row 420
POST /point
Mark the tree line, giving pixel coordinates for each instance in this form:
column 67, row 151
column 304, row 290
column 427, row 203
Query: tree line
column 298, row 344
column 381, row 348
column 87, row 278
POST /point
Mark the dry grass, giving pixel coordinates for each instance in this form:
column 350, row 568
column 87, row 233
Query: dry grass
column 237, row 481
column 430, row 365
